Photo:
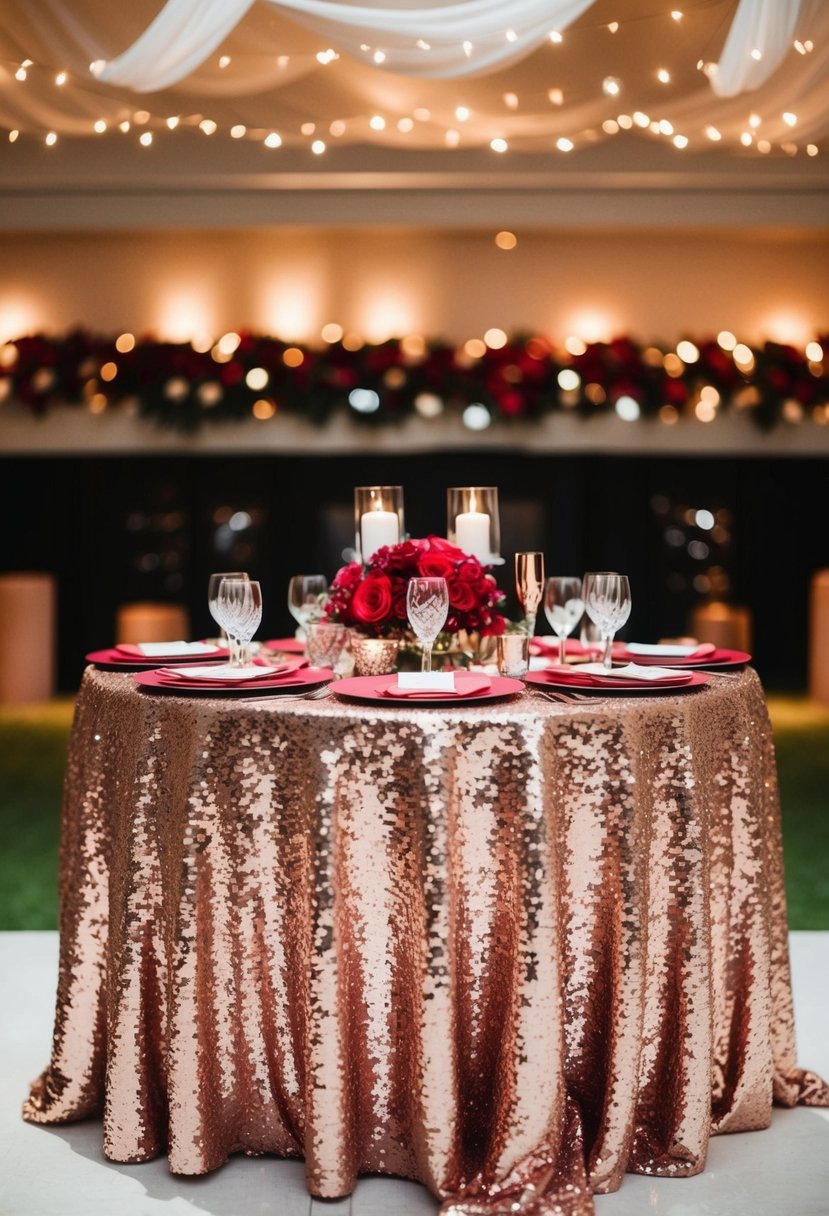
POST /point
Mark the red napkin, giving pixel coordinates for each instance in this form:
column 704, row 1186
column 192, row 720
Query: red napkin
column 277, row 673
column 566, row 675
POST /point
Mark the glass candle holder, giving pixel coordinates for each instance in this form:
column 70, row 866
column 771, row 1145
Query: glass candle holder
column 373, row 656
column 473, row 523
column 378, row 519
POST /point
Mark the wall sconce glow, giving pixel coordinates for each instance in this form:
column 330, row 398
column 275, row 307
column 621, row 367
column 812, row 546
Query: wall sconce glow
column 386, row 313
column 590, row 324
column 18, row 316
column 290, row 306
column 184, row 314
column 787, row 327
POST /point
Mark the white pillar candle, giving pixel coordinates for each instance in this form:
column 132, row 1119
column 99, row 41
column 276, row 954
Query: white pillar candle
column 377, row 528
column 472, row 534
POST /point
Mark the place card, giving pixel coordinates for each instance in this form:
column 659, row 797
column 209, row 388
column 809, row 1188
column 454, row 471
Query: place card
column 431, row 681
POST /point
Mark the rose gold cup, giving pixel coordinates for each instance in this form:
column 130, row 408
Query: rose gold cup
column 373, row 656
column 512, row 654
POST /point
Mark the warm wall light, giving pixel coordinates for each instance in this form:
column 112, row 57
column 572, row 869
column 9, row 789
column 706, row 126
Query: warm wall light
column 290, row 304
column 590, row 324
column 184, row 312
column 386, row 313
column 18, row 316
column 788, row 327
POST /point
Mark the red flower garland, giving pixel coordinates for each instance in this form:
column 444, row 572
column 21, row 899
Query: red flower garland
column 372, row 598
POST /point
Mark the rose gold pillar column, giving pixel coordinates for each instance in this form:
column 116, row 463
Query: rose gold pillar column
column 819, row 637
column 152, row 623
column 27, row 637
column 725, row 625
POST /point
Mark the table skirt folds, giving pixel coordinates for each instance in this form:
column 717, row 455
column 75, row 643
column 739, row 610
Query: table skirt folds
column 510, row 952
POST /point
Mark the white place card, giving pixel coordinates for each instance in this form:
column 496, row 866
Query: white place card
column 432, row 681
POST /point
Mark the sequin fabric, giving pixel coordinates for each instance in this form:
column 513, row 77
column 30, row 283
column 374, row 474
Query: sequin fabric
column 512, row 951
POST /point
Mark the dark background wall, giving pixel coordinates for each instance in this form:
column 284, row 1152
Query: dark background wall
column 119, row 529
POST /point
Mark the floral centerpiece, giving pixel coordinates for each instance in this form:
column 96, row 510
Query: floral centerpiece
column 372, row 598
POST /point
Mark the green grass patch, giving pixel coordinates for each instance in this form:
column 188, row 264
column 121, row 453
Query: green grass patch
column 33, row 751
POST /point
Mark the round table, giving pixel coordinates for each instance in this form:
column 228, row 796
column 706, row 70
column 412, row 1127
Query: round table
column 511, row 950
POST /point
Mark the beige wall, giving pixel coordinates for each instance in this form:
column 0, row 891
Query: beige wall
column 653, row 285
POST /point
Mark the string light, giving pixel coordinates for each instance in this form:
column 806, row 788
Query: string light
column 463, row 113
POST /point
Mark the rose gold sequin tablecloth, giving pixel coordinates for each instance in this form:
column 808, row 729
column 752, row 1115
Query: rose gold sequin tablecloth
column 512, row 951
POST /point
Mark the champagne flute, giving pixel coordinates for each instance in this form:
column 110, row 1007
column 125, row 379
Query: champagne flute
column 239, row 605
column 529, row 585
column 213, row 594
column 563, row 607
column 606, row 597
column 305, row 591
column 427, row 607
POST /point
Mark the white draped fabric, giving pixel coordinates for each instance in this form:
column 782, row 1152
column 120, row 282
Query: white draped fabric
column 405, row 59
column 457, row 38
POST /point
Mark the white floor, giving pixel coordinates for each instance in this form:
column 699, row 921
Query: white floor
column 61, row 1172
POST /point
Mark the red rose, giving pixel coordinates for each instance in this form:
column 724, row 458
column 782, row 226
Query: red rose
column 462, row 595
column 470, row 570
column 435, row 565
column 348, row 577
column 372, row 600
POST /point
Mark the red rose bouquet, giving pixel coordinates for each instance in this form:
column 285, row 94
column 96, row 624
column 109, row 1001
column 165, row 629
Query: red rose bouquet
column 372, row 598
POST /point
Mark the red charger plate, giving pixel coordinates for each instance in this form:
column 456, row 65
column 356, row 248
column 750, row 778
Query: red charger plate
column 113, row 660
column 615, row 687
column 304, row 680
column 718, row 658
column 373, row 689
column 285, row 645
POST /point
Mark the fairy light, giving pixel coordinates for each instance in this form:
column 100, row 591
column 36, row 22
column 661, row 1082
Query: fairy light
column 308, row 128
column 462, row 113
column 564, row 144
column 468, row 48
column 726, row 340
column 337, row 128
column 555, row 37
column 756, row 55
column 61, row 79
column 713, row 134
column 173, row 121
column 611, row 86
column 146, row 139
column 754, row 121
column 21, row 73
column 641, row 119
column 422, row 114
column 556, row 96
column 377, row 122
column 452, row 138
column 610, row 126
column 474, row 348
column 405, row 125
column 208, row 126
column 763, row 146
column 141, row 117
column 665, row 127
column 676, row 14
column 124, row 126
column 51, row 139
column 262, row 409
column 511, row 36
column 327, row 56
column 625, row 121
column 812, row 149
column 14, row 136
column 256, row 379
column 224, row 62
column 238, row 131
column 507, row 240
column 273, row 140
column 511, row 101
column 612, row 27
column 663, row 76
column 680, row 141
column 318, row 147
column 379, row 57
column 498, row 144
column 423, row 45
column 789, row 119
column 124, row 343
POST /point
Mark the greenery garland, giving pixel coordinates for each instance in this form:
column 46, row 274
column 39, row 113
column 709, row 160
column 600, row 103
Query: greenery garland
column 248, row 376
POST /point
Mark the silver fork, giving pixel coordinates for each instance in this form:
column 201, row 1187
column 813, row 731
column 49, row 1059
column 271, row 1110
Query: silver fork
column 563, row 698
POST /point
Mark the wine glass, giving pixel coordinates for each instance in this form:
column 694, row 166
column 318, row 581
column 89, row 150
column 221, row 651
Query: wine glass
column 427, row 607
column 529, row 585
column 239, row 609
column 213, row 594
column 563, row 607
column 305, row 591
column 607, row 600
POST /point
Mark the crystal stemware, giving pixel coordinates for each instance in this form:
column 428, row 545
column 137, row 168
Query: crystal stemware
column 213, row 584
column 305, row 594
column 607, row 601
column 563, row 607
column 529, row 585
column 427, row 607
column 239, row 610
column 325, row 642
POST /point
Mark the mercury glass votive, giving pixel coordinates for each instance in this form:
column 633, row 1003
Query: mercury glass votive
column 473, row 523
column 373, row 656
column 512, row 654
column 378, row 519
